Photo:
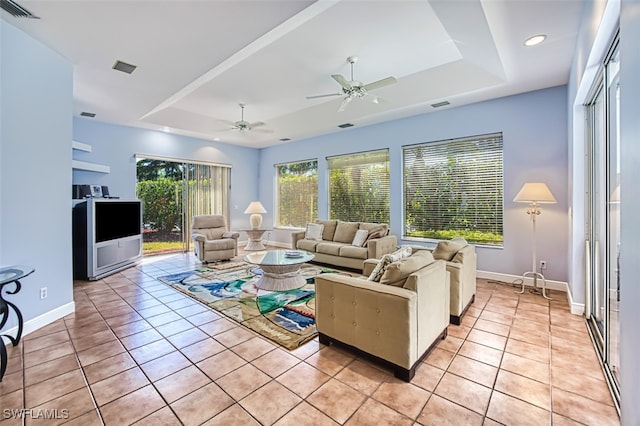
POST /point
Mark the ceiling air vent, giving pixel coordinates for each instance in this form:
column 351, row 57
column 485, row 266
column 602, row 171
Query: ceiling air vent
column 15, row 10
column 440, row 104
column 285, row 139
column 88, row 114
column 345, row 125
column 124, row 67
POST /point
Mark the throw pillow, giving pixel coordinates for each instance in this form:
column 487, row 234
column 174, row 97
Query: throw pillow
column 314, row 232
column 378, row 271
column 360, row 238
column 397, row 272
column 446, row 250
column 386, row 260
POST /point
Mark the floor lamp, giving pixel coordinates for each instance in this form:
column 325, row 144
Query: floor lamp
column 535, row 193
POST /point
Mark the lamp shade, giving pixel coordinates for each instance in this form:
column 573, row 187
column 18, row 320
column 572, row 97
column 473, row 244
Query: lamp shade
column 255, row 207
column 535, row 192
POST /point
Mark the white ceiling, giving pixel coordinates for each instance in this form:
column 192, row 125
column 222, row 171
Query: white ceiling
column 197, row 60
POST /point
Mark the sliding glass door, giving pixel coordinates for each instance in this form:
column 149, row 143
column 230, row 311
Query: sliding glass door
column 603, row 218
column 174, row 191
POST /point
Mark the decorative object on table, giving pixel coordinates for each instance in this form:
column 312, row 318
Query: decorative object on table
column 255, row 209
column 535, row 193
column 10, row 275
column 285, row 317
column 211, row 240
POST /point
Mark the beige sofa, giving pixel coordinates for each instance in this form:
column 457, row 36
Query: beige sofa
column 396, row 323
column 336, row 247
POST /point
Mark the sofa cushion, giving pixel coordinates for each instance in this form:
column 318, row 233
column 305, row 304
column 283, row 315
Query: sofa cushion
column 314, row 231
column 377, row 232
column 224, row 244
column 208, row 221
column 360, row 238
column 386, row 260
column 212, row 233
column 328, row 247
column 329, row 229
column 396, row 273
column 308, row 245
column 354, row 252
column 371, row 227
column 345, row 231
column 446, row 250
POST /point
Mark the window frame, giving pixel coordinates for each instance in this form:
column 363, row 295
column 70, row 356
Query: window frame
column 471, row 138
column 345, row 157
column 277, row 220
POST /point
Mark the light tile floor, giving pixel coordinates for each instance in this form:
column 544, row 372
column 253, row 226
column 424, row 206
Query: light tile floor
column 136, row 351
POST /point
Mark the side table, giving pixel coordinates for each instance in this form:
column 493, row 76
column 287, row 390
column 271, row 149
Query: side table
column 10, row 275
column 255, row 238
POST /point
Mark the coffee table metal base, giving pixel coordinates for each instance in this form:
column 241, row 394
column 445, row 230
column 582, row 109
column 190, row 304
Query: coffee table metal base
column 281, row 277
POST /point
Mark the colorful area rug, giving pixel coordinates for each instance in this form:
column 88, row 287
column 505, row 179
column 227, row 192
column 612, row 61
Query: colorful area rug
column 285, row 317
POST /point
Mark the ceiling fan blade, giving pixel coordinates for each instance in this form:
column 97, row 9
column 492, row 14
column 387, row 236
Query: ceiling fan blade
column 256, row 124
column 324, row 96
column 380, row 83
column 342, row 81
column 262, row 130
column 344, row 103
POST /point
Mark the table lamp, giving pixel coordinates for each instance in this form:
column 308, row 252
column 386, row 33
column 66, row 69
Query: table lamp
column 535, row 193
column 255, row 209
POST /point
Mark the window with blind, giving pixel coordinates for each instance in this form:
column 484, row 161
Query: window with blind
column 297, row 192
column 359, row 187
column 455, row 188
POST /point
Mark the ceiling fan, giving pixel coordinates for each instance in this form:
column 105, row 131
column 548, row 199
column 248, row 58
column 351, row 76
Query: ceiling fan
column 244, row 125
column 355, row 89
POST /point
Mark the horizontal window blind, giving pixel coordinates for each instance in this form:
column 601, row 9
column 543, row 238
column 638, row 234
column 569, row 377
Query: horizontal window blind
column 455, row 188
column 297, row 192
column 359, row 186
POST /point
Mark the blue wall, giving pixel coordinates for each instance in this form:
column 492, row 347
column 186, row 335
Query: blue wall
column 35, row 172
column 534, row 127
column 116, row 147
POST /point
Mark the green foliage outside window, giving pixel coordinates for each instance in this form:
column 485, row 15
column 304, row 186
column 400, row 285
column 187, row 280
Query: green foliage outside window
column 297, row 193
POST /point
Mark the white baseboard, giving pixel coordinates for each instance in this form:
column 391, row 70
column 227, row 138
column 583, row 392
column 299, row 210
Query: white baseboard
column 42, row 320
column 576, row 308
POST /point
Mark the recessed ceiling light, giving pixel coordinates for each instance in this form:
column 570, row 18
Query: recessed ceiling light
column 536, row 39
column 166, row 129
column 216, row 139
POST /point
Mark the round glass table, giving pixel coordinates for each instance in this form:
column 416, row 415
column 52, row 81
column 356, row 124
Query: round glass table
column 280, row 268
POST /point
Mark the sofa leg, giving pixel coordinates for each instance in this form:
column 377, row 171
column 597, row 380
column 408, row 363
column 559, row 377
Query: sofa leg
column 445, row 333
column 404, row 374
column 324, row 339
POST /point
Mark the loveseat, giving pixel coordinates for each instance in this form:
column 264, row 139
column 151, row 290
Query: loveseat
column 396, row 320
column 336, row 243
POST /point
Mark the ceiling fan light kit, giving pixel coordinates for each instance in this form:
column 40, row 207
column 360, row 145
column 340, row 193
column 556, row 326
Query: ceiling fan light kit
column 355, row 89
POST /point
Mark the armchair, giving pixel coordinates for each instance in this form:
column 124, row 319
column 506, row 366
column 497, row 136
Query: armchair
column 397, row 323
column 212, row 241
column 461, row 261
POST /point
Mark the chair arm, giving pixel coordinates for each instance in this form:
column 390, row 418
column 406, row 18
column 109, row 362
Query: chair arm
column 378, row 247
column 295, row 237
column 229, row 234
column 198, row 237
column 368, row 266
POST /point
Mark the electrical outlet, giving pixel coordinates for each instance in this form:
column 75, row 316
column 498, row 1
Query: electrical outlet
column 543, row 264
column 43, row 293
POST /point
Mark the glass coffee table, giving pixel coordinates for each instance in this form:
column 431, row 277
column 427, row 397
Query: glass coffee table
column 280, row 268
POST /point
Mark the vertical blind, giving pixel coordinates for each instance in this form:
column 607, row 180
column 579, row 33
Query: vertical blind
column 359, row 186
column 297, row 193
column 455, row 188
